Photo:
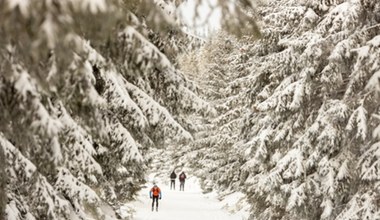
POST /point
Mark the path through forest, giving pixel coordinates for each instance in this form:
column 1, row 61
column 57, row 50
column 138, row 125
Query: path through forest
column 190, row 204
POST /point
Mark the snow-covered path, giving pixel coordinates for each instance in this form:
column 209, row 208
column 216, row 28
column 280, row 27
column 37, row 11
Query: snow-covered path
column 188, row 205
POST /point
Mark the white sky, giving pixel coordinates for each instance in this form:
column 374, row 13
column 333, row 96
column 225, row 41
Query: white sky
column 208, row 20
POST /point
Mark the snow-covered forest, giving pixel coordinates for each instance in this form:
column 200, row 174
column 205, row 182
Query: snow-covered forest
column 87, row 88
column 282, row 105
column 298, row 123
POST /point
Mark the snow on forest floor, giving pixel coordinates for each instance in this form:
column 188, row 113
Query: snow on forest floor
column 185, row 205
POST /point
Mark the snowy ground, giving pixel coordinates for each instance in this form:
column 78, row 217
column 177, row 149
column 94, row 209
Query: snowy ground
column 191, row 204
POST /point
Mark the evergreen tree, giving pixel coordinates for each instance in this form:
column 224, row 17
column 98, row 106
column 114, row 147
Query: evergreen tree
column 217, row 69
column 84, row 94
column 86, row 88
column 300, row 149
column 307, row 147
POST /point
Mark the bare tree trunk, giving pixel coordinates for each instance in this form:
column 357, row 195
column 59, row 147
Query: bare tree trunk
column 2, row 183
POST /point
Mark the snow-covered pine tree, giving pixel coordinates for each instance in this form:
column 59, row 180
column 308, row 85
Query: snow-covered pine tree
column 217, row 69
column 363, row 126
column 308, row 148
column 72, row 75
column 302, row 159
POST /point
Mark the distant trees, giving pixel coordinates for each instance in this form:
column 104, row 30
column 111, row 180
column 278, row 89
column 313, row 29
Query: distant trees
column 310, row 87
column 217, row 68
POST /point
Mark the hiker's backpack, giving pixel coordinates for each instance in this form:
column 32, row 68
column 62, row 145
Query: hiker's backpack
column 155, row 191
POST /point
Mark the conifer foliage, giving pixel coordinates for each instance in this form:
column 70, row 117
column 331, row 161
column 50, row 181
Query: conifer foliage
column 216, row 68
column 308, row 146
column 84, row 93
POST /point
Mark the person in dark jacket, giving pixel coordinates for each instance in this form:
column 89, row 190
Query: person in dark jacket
column 182, row 178
column 173, row 176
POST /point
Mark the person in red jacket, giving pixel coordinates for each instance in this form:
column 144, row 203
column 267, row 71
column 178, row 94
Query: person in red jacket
column 155, row 194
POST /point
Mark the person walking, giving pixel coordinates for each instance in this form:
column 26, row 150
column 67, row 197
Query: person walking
column 155, row 194
column 182, row 178
column 173, row 176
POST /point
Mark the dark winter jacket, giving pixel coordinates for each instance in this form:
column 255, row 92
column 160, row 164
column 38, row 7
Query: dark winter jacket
column 182, row 177
column 173, row 176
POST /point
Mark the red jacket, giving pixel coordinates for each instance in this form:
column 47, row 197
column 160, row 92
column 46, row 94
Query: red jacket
column 155, row 191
